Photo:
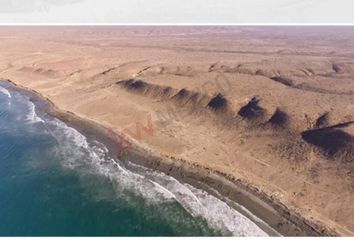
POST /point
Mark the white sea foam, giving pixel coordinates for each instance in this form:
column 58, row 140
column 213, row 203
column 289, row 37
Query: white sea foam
column 222, row 216
column 32, row 116
column 201, row 204
column 78, row 153
column 5, row 92
column 153, row 186
column 69, row 135
column 72, row 145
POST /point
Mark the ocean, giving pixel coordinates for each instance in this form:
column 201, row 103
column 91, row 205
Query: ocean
column 57, row 182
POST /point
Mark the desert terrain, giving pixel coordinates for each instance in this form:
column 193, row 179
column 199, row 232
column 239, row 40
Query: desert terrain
column 270, row 106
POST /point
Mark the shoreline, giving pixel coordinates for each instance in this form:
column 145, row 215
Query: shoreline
column 272, row 212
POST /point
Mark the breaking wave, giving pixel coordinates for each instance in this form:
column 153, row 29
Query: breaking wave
column 32, row 116
column 5, row 92
column 81, row 155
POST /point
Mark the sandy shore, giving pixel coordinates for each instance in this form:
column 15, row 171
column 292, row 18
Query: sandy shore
column 271, row 216
column 268, row 110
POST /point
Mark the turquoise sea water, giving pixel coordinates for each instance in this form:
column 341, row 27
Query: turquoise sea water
column 55, row 181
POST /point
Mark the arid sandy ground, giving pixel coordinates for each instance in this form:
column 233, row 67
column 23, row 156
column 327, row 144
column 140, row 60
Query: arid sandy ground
column 273, row 106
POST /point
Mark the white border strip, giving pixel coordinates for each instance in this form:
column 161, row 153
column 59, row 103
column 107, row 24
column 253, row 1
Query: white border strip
column 178, row 24
column 177, row 12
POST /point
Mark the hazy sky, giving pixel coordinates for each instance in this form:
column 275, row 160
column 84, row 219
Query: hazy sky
column 176, row 11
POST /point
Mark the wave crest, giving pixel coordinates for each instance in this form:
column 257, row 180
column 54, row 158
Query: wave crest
column 5, row 92
column 32, row 116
